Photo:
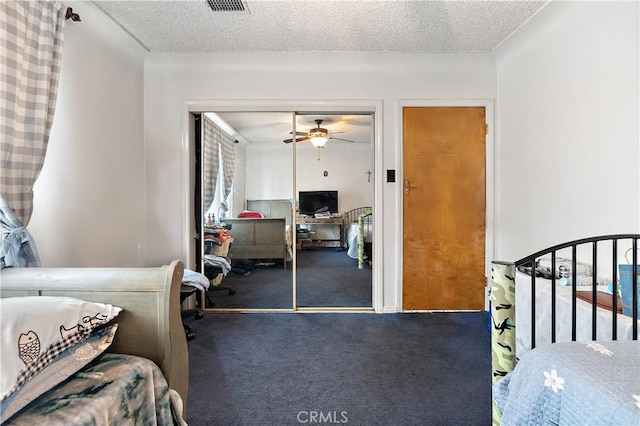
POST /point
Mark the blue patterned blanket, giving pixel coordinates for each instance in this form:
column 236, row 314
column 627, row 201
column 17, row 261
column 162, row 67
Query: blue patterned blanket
column 573, row 383
column 114, row 390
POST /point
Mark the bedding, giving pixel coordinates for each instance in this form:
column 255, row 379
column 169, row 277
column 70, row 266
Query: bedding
column 135, row 375
column 248, row 214
column 117, row 390
column 553, row 384
column 47, row 340
column 352, row 240
column 564, row 301
column 581, row 376
column 220, row 265
column 37, row 329
column 58, row 370
column 196, row 279
column 352, row 231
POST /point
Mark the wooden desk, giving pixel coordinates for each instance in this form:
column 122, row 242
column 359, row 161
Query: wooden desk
column 604, row 300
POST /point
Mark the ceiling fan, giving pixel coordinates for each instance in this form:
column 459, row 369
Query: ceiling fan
column 318, row 136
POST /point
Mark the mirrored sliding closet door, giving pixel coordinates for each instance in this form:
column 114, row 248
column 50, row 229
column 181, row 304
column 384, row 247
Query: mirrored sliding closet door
column 272, row 239
column 247, row 209
column 334, row 183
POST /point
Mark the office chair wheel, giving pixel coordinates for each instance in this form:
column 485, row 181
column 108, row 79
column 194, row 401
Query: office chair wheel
column 189, row 332
column 199, row 315
column 232, row 292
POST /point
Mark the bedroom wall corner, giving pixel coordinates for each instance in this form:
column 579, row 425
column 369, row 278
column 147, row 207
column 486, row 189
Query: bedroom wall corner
column 568, row 149
column 89, row 199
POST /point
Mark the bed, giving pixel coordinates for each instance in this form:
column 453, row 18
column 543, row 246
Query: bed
column 357, row 225
column 569, row 355
column 258, row 238
column 279, row 208
column 95, row 372
column 268, row 237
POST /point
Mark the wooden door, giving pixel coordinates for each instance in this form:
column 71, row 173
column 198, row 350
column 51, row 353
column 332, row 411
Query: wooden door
column 444, row 208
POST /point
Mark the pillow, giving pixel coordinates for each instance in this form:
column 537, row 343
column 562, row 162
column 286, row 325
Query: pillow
column 72, row 360
column 36, row 329
column 249, row 214
column 582, row 268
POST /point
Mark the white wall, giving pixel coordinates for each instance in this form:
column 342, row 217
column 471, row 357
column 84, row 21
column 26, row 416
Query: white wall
column 89, row 199
column 239, row 194
column 567, row 155
column 173, row 81
column 346, row 165
column 269, row 172
column 568, row 135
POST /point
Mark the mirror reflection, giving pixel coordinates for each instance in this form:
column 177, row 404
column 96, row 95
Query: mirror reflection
column 334, row 163
column 268, row 223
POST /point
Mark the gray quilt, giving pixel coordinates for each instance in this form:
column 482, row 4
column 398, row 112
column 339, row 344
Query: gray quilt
column 573, row 383
column 117, row 390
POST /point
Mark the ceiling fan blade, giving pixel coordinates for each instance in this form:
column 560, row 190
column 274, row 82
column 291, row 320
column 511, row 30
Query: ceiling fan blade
column 297, row 139
column 340, row 139
column 300, row 133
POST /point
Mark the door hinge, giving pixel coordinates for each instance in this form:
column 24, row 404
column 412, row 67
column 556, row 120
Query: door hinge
column 486, row 129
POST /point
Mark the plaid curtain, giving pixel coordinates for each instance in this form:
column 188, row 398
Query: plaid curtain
column 210, row 160
column 31, row 35
column 217, row 141
column 228, row 164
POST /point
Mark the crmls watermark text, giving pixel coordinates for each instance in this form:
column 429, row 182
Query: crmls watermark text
column 322, row 417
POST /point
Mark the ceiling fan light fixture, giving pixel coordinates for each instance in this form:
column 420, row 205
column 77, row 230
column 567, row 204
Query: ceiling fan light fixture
column 319, row 141
column 318, row 136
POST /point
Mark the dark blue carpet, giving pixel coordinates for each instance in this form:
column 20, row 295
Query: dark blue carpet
column 326, row 278
column 355, row 369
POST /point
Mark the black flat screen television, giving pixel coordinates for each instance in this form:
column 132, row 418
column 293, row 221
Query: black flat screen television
column 311, row 202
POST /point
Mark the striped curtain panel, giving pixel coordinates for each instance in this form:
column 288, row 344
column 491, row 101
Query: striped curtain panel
column 217, row 141
column 228, row 165
column 210, row 160
column 31, row 36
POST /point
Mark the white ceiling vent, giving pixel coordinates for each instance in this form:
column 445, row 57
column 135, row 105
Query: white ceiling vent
column 234, row 6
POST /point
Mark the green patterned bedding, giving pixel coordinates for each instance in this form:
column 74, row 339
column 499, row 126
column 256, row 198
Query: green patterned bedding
column 113, row 390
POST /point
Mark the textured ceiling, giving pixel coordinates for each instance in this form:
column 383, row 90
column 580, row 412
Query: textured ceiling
column 274, row 127
column 319, row 26
column 322, row 25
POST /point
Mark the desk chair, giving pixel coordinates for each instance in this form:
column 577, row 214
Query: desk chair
column 214, row 274
column 185, row 292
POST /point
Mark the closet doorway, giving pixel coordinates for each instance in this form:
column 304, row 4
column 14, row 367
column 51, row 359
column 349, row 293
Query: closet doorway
column 278, row 217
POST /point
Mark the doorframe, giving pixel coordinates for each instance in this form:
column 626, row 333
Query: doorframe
column 490, row 195
column 279, row 105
